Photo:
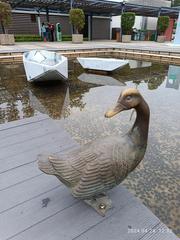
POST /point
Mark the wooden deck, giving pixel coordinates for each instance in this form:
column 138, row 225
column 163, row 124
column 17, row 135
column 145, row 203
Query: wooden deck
column 36, row 206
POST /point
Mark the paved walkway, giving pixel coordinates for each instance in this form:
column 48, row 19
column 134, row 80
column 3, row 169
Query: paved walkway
column 136, row 45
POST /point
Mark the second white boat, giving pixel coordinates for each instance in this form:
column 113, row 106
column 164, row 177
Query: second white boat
column 102, row 64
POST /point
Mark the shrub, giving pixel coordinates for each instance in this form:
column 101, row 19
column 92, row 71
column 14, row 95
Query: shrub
column 5, row 15
column 127, row 22
column 162, row 24
column 37, row 38
column 77, row 19
column 27, row 38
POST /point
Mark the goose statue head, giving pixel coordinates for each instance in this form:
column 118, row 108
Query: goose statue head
column 129, row 98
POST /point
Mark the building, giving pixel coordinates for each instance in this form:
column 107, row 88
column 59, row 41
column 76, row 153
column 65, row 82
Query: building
column 101, row 16
column 141, row 22
column 28, row 22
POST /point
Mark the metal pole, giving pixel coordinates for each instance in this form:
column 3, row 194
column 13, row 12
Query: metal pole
column 39, row 23
column 156, row 34
column 47, row 14
column 90, row 27
column 122, row 10
column 71, row 6
column 110, row 32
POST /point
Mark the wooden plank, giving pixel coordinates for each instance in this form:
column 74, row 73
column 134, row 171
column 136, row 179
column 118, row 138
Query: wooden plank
column 29, row 170
column 160, row 232
column 31, row 155
column 9, row 125
column 30, row 134
column 18, row 175
column 72, row 221
column 27, row 190
column 21, row 147
column 7, row 133
column 32, row 212
column 133, row 222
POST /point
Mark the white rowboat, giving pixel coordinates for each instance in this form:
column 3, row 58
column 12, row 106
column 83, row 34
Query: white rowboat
column 102, row 64
column 41, row 65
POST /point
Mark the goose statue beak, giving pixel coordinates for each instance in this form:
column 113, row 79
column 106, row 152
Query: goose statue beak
column 111, row 113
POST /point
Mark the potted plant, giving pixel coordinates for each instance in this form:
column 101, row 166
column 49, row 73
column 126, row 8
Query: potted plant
column 5, row 19
column 162, row 25
column 127, row 23
column 77, row 19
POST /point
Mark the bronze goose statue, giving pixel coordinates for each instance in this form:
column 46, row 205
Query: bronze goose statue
column 100, row 165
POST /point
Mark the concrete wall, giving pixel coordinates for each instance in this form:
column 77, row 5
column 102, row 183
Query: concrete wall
column 22, row 23
column 26, row 23
column 151, row 23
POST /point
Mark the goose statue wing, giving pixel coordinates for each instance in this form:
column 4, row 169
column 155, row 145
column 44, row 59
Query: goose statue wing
column 69, row 167
column 88, row 170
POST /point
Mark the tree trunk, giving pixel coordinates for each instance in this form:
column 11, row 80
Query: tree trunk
column 3, row 28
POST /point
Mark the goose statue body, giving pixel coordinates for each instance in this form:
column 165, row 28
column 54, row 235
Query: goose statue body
column 100, row 165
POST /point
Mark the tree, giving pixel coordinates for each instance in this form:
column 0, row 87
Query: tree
column 77, row 19
column 162, row 24
column 127, row 22
column 175, row 3
column 5, row 14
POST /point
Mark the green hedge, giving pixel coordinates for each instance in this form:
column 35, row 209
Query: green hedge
column 127, row 22
column 27, row 38
column 37, row 38
column 163, row 24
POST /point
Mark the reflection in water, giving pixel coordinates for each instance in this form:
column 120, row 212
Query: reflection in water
column 173, row 78
column 139, row 64
column 83, row 105
column 50, row 101
column 99, row 79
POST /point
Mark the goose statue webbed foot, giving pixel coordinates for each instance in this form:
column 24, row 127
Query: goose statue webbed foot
column 101, row 203
column 94, row 168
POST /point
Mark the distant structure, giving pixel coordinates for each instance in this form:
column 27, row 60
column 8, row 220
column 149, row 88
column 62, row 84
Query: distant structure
column 177, row 35
column 143, row 23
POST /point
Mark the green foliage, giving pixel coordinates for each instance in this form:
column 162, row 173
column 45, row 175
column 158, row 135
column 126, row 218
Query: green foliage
column 37, row 38
column 5, row 14
column 175, row 3
column 77, row 18
column 163, row 24
column 127, row 22
column 27, row 38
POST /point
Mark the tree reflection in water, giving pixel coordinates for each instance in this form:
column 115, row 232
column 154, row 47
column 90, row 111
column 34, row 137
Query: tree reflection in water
column 20, row 99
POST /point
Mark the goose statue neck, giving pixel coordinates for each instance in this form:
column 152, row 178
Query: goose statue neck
column 139, row 131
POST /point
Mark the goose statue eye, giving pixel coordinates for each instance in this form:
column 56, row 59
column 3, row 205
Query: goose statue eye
column 128, row 98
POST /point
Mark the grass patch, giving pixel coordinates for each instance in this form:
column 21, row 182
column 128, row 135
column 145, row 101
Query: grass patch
column 37, row 38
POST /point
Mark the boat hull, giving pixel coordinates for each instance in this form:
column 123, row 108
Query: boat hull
column 45, row 66
column 102, row 64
